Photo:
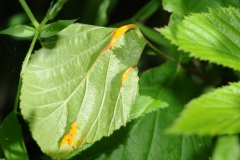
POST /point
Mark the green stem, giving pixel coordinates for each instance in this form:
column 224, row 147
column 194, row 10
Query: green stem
column 162, row 54
column 29, row 13
column 25, row 62
column 18, row 95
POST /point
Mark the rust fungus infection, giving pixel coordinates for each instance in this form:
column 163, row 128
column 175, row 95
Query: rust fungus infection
column 117, row 34
column 125, row 74
column 69, row 137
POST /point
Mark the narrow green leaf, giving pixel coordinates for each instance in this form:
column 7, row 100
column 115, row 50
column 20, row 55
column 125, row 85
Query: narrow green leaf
column 214, row 113
column 75, row 84
column 227, row 148
column 102, row 17
column 56, row 9
column 11, row 139
column 55, row 27
column 19, row 31
column 147, row 10
column 145, row 138
column 209, row 36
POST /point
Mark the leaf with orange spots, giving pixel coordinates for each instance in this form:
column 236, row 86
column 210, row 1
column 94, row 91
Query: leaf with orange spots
column 78, row 87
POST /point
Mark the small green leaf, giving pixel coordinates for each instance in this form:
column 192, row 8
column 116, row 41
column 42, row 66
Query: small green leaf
column 227, row 148
column 102, row 17
column 212, row 36
column 55, row 9
column 19, row 31
column 77, row 83
column 55, row 27
column 11, row 139
column 214, row 113
column 145, row 138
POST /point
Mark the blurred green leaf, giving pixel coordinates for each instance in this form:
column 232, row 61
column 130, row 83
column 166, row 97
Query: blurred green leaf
column 144, row 138
column 214, row 113
column 102, row 17
column 181, row 8
column 55, row 9
column 55, row 27
column 11, row 139
column 84, row 80
column 146, row 11
column 19, row 31
column 212, row 36
column 19, row 18
column 227, row 148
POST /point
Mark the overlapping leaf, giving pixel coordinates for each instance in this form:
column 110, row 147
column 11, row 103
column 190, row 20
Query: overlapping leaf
column 73, row 87
column 145, row 137
column 212, row 36
column 217, row 112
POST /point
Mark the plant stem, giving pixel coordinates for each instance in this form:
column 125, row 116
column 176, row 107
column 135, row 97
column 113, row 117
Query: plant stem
column 18, row 95
column 29, row 13
column 25, row 62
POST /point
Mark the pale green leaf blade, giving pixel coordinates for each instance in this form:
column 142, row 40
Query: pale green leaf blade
column 227, row 148
column 19, row 31
column 55, row 27
column 75, row 81
column 214, row 113
column 212, row 36
column 11, row 139
column 145, row 137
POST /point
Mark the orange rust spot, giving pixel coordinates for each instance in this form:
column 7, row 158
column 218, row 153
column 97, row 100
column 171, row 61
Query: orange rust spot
column 68, row 138
column 117, row 34
column 125, row 74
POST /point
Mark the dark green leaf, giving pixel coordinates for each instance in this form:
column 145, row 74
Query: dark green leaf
column 212, row 36
column 74, row 83
column 227, row 148
column 19, row 31
column 55, row 27
column 11, row 139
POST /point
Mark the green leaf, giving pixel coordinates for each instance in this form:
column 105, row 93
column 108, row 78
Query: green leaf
column 74, row 83
column 181, row 8
column 53, row 12
column 55, row 27
column 11, row 139
column 214, row 113
column 102, row 17
column 209, row 36
column 145, row 138
column 19, row 31
column 227, row 148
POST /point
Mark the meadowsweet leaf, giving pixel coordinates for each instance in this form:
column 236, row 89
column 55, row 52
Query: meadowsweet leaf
column 227, row 148
column 214, row 113
column 181, row 8
column 11, row 139
column 145, row 137
column 212, row 36
column 19, row 31
column 80, row 86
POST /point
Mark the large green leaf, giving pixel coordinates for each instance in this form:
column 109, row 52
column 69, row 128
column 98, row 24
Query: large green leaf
column 181, row 8
column 217, row 112
column 11, row 139
column 212, row 36
column 145, row 137
column 73, row 88
column 227, row 148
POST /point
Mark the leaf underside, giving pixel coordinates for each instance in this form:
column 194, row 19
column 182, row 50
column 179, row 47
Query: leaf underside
column 71, row 80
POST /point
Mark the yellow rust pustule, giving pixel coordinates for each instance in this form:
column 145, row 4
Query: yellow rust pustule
column 126, row 73
column 69, row 137
column 117, row 34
